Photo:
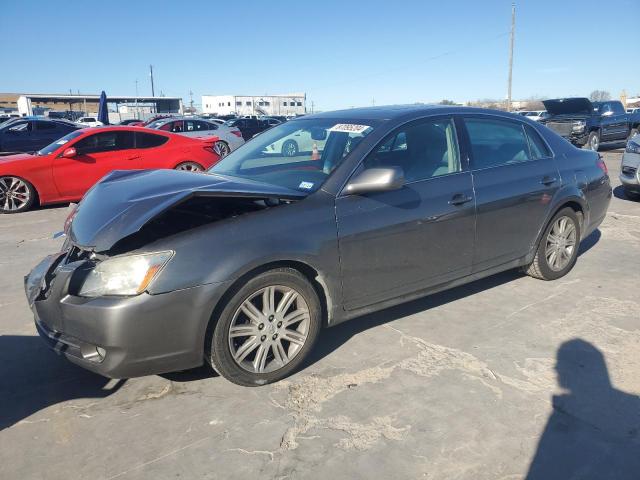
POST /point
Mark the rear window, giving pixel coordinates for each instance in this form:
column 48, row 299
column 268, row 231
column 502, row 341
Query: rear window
column 497, row 142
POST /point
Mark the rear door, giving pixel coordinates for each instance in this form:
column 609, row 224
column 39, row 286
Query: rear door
column 97, row 155
column 399, row 242
column 514, row 177
column 620, row 124
column 149, row 152
column 46, row 133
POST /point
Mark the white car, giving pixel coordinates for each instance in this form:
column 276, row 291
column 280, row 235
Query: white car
column 536, row 115
column 230, row 137
column 89, row 122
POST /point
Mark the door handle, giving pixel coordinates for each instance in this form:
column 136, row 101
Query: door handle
column 459, row 199
column 135, row 157
column 547, row 180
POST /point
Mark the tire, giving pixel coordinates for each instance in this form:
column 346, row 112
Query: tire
column 16, row 195
column 253, row 356
column 631, row 194
column 542, row 266
column 290, row 148
column 593, row 143
column 189, row 167
column 221, row 148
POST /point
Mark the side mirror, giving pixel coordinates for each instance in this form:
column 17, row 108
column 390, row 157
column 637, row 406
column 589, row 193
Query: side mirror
column 69, row 152
column 318, row 133
column 376, row 180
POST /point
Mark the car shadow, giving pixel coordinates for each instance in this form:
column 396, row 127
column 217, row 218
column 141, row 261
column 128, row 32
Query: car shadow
column 618, row 192
column 33, row 378
column 593, row 432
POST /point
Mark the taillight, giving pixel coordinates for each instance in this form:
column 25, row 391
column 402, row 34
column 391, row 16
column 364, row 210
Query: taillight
column 237, row 133
column 601, row 165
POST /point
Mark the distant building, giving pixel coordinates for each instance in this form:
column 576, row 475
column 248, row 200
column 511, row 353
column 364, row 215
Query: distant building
column 120, row 108
column 291, row 104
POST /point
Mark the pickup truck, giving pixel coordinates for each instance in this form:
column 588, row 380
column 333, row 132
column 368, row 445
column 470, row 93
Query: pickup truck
column 586, row 123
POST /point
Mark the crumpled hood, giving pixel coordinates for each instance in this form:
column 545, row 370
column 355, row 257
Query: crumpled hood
column 125, row 200
column 568, row 106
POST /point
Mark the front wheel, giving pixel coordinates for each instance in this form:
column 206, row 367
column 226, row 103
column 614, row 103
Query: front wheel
column 290, row 148
column 190, row 167
column 266, row 329
column 593, row 143
column 558, row 249
column 16, row 195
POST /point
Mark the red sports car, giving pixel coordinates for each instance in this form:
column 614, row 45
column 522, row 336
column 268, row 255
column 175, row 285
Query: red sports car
column 66, row 169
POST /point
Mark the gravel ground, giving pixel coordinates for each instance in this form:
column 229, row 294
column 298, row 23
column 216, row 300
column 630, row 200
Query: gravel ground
column 460, row 385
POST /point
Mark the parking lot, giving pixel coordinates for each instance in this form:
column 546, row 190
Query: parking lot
column 456, row 385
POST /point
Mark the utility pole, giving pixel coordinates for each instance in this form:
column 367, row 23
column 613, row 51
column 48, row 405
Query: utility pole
column 153, row 92
column 137, row 111
column 513, row 27
column 191, row 101
column 312, row 106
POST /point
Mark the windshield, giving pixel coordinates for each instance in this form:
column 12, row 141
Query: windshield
column 298, row 155
column 58, row 143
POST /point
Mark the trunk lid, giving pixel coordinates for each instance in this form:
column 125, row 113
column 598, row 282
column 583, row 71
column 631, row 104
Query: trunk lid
column 124, row 201
column 569, row 106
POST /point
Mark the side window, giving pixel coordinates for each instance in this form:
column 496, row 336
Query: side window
column 45, row 126
column 149, row 140
column 496, row 142
column 423, row 150
column 617, row 107
column 176, row 127
column 105, row 142
column 538, row 148
column 203, row 126
column 21, row 127
column 189, row 126
column 166, row 127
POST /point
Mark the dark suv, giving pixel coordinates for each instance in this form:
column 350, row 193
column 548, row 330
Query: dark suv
column 583, row 122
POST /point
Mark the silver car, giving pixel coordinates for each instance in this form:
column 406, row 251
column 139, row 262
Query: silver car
column 230, row 137
column 630, row 170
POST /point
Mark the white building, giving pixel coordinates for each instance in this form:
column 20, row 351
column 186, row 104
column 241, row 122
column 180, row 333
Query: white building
column 291, row 104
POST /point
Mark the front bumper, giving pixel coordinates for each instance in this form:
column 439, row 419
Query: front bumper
column 630, row 171
column 120, row 337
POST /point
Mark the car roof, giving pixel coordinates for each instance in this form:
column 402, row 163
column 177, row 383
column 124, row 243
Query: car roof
column 392, row 112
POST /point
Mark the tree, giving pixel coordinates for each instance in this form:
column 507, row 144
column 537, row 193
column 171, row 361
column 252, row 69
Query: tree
column 446, row 102
column 599, row 95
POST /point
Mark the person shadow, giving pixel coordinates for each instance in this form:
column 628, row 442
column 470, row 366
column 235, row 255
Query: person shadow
column 594, row 430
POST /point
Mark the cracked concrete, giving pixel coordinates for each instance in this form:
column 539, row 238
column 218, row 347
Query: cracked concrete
column 459, row 385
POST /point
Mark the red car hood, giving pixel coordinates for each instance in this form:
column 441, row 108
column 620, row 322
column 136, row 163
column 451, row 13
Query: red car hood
column 16, row 157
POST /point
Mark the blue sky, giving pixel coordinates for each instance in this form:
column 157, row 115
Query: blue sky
column 341, row 53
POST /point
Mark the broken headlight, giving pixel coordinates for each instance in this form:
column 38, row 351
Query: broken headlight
column 125, row 275
column 579, row 126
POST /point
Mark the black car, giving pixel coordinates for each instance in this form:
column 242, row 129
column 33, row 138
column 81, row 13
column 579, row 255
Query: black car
column 30, row 135
column 242, row 266
column 249, row 127
column 129, row 121
column 583, row 122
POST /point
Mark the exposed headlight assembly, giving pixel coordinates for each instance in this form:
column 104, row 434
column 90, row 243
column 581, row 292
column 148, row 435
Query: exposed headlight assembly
column 579, row 125
column 125, row 275
column 632, row 147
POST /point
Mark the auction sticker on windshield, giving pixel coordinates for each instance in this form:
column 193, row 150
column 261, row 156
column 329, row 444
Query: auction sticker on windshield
column 305, row 185
column 349, row 128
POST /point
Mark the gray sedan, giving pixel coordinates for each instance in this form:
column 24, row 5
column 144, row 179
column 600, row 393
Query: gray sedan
column 242, row 267
column 230, row 138
column 630, row 169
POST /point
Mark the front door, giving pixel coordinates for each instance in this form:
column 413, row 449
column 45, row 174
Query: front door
column 97, row 155
column 399, row 242
column 515, row 178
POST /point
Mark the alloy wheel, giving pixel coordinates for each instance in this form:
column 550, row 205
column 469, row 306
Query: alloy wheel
column 561, row 243
column 595, row 143
column 221, row 148
column 189, row 167
column 14, row 193
column 269, row 329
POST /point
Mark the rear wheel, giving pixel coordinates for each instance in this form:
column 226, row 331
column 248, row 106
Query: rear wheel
column 558, row 248
column 16, row 195
column 190, row 167
column 594, row 141
column 290, row 148
column 221, row 148
column 266, row 329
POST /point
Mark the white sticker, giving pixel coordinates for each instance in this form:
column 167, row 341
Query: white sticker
column 305, row 185
column 348, row 128
column 61, row 142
